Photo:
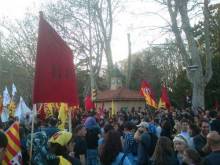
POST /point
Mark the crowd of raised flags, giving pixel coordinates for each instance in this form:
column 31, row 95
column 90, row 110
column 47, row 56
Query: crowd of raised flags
column 9, row 107
column 47, row 100
column 146, row 91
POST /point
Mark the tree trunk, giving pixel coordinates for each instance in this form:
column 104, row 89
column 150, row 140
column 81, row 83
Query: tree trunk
column 198, row 100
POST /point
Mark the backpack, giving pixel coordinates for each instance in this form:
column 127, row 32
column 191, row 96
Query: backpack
column 153, row 139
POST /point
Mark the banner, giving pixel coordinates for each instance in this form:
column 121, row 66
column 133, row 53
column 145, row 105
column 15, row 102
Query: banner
column 55, row 79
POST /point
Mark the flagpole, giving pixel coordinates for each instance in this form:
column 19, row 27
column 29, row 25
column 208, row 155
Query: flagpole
column 70, row 121
column 32, row 130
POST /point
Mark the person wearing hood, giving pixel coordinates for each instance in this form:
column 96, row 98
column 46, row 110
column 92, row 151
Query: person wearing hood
column 61, row 144
column 92, row 137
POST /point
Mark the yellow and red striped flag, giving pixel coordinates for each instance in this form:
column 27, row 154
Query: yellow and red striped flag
column 13, row 150
column 147, row 93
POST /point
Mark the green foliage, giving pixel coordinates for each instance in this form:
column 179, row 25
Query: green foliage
column 181, row 87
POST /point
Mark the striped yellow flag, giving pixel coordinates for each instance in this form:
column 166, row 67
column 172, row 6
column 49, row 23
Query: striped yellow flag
column 113, row 109
column 13, row 150
column 48, row 109
column 63, row 115
column 11, row 108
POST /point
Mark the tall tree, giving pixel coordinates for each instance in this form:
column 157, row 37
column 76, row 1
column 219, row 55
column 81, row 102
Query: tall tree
column 198, row 74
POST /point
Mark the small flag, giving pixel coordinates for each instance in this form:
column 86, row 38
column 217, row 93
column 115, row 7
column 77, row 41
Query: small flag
column 63, row 115
column 48, row 109
column 11, row 108
column 113, row 112
column 14, row 90
column 164, row 99
column 147, row 93
column 22, row 110
column 41, row 112
column 89, row 105
column 4, row 115
column 13, row 150
column 6, row 97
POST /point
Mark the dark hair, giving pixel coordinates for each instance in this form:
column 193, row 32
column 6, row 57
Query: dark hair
column 57, row 149
column 128, row 125
column 163, row 150
column 213, row 114
column 195, row 129
column 78, row 128
column 3, row 140
column 107, row 128
column 193, row 155
column 60, row 150
column 111, row 148
column 52, row 121
column 203, row 121
column 184, row 121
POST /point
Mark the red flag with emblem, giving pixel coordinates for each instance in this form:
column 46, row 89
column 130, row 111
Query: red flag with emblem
column 147, row 93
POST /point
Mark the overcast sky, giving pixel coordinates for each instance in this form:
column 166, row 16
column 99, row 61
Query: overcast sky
column 134, row 19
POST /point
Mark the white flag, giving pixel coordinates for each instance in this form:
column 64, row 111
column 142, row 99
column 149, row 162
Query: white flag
column 4, row 115
column 14, row 90
column 6, row 97
column 22, row 110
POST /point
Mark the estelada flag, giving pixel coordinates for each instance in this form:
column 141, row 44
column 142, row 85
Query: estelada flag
column 13, row 149
column 147, row 93
column 55, row 79
column 164, row 99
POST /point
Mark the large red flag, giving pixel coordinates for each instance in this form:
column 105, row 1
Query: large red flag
column 147, row 93
column 55, row 79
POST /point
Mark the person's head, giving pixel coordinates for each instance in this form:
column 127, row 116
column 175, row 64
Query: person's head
column 157, row 121
column 142, row 127
column 107, row 128
column 128, row 126
column 213, row 140
column 213, row 114
column 180, row 143
column 111, row 148
column 3, row 144
column 205, row 127
column 61, row 143
column 164, row 147
column 90, row 122
column 191, row 156
column 80, row 130
column 193, row 129
column 52, row 122
column 184, row 125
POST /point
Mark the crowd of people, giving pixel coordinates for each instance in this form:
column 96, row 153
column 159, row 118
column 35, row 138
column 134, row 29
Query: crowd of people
column 141, row 137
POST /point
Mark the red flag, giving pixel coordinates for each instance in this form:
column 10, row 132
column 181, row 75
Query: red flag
column 164, row 99
column 88, row 103
column 41, row 112
column 147, row 93
column 55, row 79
